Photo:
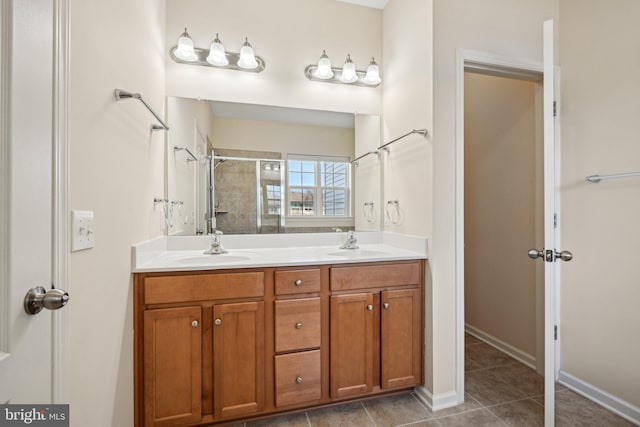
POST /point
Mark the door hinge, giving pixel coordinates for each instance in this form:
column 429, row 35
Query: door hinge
column 555, row 108
column 555, row 332
column 555, row 220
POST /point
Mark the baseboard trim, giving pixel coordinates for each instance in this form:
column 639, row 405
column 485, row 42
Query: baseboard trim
column 439, row 401
column 613, row 403
column 516, row 353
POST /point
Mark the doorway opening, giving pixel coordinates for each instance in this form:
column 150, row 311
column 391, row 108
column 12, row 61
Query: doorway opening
column 499, row 198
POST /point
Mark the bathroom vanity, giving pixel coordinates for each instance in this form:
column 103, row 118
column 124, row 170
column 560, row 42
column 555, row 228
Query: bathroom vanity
column 217, row 343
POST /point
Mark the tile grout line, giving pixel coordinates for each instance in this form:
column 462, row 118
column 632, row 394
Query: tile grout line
column 306, row 414
column 368, row 414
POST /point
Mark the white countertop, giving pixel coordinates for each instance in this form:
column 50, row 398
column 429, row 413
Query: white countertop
column 252, row 251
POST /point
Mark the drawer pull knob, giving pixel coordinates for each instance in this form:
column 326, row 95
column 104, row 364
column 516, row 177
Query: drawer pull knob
column 298, row 282
column 194, row 323
column 298, row 325
column 299, row 380
column 386, row 305
column 218, row 322
column 370, row 307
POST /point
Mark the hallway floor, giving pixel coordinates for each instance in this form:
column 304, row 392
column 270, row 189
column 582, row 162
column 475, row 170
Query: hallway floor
column 500, row 391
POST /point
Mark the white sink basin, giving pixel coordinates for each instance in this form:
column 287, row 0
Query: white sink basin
column 354, row 253
column 211, row 259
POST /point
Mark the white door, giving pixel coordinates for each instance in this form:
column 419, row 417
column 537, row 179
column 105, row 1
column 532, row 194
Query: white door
column 26, row 191
column 550, row 254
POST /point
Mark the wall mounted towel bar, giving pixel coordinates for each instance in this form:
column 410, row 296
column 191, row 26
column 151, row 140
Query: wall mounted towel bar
column 191, row 158
column 597, row 178
column 123, row 94
column 422, row 132
column 355, row 161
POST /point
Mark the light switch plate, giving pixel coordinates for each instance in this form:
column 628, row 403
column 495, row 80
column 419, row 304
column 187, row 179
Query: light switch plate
column 82, row 230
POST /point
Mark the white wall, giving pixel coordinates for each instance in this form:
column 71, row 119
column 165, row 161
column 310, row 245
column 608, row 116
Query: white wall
column 367, row 177
column 116, row 169
column 500, row 209
column 288, row 35
column 501, row 27
column 599, row 45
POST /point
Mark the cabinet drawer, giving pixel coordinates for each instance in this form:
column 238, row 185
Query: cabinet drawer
column 297, row 281
column 298, row 378
column 199, row 287
column 297, row 324
column 375, row 276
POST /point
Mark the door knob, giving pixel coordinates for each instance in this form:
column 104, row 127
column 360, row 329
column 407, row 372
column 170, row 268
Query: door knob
column 38, row 298
column 535, row 254
column 564, row 255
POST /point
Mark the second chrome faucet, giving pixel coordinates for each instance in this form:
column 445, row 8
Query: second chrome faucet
column 351, row 242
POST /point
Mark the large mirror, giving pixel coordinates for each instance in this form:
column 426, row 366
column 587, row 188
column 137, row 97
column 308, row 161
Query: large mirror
column 256, row 169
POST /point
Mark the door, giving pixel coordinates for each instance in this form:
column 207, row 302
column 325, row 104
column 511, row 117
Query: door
column 172, row 366
column 351, row 344
column 400, row 329
column 26, row 198
column 238, row 359
column 550, row 254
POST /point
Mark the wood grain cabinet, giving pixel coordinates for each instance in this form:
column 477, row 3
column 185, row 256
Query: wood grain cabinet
column 225, row 346
column 376, row 336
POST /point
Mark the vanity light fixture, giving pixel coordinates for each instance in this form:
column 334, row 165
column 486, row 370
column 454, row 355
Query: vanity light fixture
column 216, row 56
column 373, row 74
column 247, row 59
column 348, row 74
column 184, row 50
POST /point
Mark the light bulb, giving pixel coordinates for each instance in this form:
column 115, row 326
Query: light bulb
column 185, row 51
column 348, row 71
column 217, row 55
column 247, row 58
column 323, row 70
column 373, row 74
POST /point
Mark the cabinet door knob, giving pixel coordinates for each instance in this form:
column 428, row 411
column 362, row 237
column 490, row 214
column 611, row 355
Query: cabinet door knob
column 299, row 380
column 218, row 322
column 194, row 323
column 370, row 307
column 298, row 282
column 298, row 325
column 386, row 305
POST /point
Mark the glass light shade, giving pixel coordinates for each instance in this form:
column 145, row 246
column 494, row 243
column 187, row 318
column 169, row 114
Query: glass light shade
column 323, row 70
column 247, row 58
column 348, row 71
column 217, row 55
column 373, row 74
column 185, row 51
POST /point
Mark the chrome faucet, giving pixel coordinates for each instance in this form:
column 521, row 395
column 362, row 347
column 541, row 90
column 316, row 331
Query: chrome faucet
column 351, row 241
column 216, row 245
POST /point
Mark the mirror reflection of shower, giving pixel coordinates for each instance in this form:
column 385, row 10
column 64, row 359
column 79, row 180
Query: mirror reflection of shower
column 247, row 192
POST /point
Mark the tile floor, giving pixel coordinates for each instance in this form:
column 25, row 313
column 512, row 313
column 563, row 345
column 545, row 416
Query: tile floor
column 500, row 391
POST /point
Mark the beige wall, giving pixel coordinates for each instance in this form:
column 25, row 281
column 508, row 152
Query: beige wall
column 288, row 35
column 260, row 135
column 599, row 115
column 116, row 169
column 500, row 27
column 367, row 178
column 500, row 209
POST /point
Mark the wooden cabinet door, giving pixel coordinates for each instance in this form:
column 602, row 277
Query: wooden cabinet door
column 172, row 366
column 401, row 326
column 238, row 359
column 351, row 344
